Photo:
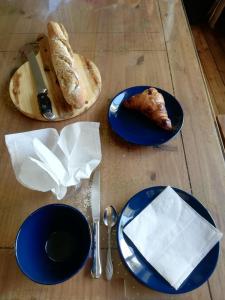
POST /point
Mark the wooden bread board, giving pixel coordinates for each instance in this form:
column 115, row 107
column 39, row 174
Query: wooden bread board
column 23, row 92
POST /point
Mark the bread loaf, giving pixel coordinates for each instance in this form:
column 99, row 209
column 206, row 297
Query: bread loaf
column 64, row 65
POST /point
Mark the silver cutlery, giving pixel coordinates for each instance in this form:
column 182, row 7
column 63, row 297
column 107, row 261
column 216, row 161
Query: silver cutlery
column 44, row 102
column 96, row 270
column 110, row 218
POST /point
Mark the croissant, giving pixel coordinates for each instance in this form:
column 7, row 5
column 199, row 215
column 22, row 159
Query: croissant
column 150, row 103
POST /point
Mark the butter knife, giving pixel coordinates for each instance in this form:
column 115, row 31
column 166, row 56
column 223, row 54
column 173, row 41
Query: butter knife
column 44, row 102
column 96, row 270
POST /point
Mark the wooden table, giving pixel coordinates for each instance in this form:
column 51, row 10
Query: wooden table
column 132, row 43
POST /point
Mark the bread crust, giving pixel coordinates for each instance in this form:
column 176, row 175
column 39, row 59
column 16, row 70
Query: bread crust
column 64, row 65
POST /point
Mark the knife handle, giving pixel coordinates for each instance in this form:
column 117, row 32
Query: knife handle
column 96, row 270
column 44, row 103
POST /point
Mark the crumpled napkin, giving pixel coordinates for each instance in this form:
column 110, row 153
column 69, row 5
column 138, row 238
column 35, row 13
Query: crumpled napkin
column 43, row 160
column 172, row 236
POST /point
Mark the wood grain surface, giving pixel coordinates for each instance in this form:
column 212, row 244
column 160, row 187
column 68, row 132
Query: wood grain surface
column 221, row 122
column 213, row 62
column 132, row 43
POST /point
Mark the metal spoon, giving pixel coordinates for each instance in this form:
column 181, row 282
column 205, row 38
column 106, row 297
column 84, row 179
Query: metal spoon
column 110, row 218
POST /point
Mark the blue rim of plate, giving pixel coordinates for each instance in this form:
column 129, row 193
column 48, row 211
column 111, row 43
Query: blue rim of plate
column 135, row 128
column 139, row 267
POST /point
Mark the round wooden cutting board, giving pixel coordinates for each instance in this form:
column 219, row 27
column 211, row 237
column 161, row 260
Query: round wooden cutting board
column 23, row 92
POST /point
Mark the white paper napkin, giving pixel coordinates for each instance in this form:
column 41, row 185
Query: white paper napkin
column 172, row 236
column 43, row 160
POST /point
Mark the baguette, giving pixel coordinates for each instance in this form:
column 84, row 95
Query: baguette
column 64, row 65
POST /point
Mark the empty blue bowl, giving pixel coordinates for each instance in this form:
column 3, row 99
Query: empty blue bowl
column 53, row 244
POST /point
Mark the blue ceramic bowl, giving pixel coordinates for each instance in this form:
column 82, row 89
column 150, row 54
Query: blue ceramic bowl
column 53, row 244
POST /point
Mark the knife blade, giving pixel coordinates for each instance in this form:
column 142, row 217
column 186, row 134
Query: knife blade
column 44, row 102
column 96, row 270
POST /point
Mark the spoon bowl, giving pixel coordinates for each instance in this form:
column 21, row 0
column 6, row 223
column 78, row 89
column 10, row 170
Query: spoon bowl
column 110, row 216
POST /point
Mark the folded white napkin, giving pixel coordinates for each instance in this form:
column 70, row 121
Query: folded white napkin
column 43, row 160
column 172, row 236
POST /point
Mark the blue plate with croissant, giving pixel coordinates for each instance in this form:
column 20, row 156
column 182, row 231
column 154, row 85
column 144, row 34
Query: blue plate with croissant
column 145, row 115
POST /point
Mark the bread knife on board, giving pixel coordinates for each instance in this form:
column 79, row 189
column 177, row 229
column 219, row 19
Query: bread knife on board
column 44, row 102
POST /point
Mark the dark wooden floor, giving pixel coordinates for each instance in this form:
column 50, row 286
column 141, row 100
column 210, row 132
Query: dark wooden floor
column 211, row 50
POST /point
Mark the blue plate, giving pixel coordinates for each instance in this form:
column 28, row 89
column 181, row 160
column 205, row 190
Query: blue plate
column 135, row 128
column 139, row 267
